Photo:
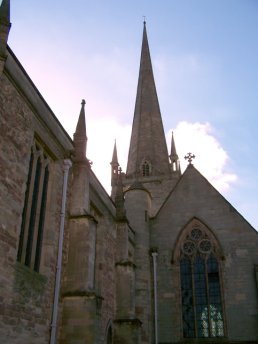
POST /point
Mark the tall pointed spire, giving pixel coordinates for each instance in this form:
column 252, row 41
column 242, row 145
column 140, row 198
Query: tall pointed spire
column 114, row 172
column 148, row 153
column 80, row 136
column 5, row 26
column 114, row 157
column 173, row 153
column 175, row 165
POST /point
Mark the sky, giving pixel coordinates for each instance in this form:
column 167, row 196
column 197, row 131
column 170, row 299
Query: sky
column 205, row 62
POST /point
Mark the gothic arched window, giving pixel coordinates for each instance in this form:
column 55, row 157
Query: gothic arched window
column 146, row 168
column 202, row 312
column 34, row 209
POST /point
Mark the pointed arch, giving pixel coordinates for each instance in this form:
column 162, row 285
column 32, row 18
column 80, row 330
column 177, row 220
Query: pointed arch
column 199, row 255
column 146, row 168
column 196, row 223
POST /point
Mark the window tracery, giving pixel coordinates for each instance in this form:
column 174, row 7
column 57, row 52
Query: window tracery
column 202, row 311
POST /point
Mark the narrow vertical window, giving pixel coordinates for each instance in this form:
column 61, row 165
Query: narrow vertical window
column 202, row 313
column 41, row 221
column 187, row 298
column 33, row 215
column 25, row 207
column 33, row 209
column 145, row 169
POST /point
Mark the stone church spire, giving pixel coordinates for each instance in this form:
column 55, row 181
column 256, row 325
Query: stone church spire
column 148, row 155
column 175, row 164
column 114, row 172
column 80, row 136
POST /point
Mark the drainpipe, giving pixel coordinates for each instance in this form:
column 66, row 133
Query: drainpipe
column 154, row 258
column 67, row 165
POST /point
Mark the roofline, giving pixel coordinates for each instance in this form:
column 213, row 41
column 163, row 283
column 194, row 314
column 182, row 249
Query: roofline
column 192, row 166
column 24, row 77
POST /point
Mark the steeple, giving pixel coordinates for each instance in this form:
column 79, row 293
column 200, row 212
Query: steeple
column 5, row 26
column 80, row 137
column 175, row 164
column 114, row 157
column 148, row 155
column 114, row 172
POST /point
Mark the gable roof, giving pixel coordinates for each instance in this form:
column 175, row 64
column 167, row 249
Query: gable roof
column 191, row 182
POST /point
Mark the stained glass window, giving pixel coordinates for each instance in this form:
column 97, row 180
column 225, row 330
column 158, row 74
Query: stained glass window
column 200, row 287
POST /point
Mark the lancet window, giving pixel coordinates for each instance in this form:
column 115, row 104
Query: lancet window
column 33, row 216
column 146, row 169
column 202, row 308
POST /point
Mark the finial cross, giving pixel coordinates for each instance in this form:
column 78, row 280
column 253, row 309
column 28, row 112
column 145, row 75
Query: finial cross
column 189, row 157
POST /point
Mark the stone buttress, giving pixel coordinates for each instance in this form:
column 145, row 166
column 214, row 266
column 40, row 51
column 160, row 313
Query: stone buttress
column 80, row 302
column 126, row 325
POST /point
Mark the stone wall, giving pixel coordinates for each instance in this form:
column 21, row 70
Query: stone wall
column 195, row 197
column 26, row 296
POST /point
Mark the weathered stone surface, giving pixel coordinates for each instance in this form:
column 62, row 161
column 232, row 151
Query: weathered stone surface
column 26, row 303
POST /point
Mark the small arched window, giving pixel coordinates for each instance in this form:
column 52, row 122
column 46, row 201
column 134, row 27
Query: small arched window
column 202, row 311
column 146, row 168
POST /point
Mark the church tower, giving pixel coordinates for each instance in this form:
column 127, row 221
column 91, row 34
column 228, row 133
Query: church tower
column 147, row 182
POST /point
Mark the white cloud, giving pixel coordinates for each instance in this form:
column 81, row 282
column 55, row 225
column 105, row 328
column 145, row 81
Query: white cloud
column 211, row 159
column 101, row 144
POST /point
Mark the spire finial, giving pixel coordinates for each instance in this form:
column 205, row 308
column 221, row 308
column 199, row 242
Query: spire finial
column 80, row 136
column 189, row 156
column 144, row 20
column 114, row 157
column 173, row 153
column 115, row 170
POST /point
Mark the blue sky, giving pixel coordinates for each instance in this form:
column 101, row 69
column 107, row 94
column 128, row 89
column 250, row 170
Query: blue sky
column 205, row 57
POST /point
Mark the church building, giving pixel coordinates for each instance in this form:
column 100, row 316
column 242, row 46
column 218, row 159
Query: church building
column 164, row 259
